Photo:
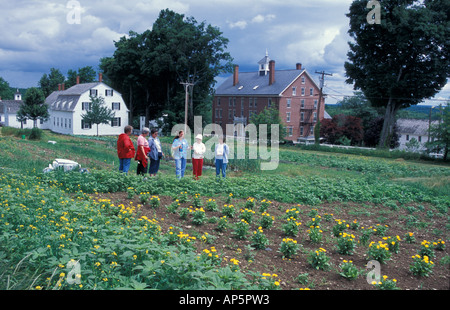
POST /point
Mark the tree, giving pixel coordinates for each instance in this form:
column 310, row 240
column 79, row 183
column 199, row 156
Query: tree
column 6, row 92
column 150, row 66
column 373, row 132
column 33, row 107
column 98, row 113
column 86, row 75
column 49, row 83
column 401, row 61
column 440, row 134
column 269, row 116
column 342, row 126
column 124, row 69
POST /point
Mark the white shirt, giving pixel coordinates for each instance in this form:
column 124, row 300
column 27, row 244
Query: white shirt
column 199, row 150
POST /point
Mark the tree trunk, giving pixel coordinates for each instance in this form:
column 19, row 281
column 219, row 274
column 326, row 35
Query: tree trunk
column 389, row 120
column 387, row 131
column 130, row 120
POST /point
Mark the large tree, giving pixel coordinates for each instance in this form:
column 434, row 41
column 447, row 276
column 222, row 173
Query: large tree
column 6, row 92
column 401, row 61
column 123, row 70
column 33, row 107
column 153, row 65
column 86, row 74
column 49, row 83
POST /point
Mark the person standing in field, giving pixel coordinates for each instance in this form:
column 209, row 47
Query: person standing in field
column 221, row 156
column 125, row 149
column 197, row 158
column 142, row 150
column 180, row 147
column 155, row 154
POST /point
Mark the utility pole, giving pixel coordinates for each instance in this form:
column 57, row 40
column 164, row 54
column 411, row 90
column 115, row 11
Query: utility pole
column 322, row 79
column 186, row 89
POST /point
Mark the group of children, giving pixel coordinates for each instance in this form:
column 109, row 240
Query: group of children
column 149, row 153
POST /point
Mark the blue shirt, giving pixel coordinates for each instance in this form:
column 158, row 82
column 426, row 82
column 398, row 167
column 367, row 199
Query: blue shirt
column 177, row 153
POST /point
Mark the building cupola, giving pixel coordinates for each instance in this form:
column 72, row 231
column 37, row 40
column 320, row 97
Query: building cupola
column 18, row 95
column 264, row 65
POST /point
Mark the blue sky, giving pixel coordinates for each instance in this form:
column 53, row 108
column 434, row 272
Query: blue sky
column 38, row 35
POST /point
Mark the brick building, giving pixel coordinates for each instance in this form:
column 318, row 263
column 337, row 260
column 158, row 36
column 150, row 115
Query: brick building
column 293, row 92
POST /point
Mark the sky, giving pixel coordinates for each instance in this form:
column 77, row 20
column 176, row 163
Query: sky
column 37, row 35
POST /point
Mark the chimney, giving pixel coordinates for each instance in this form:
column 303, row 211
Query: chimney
column 100, row 77
column 59, row 87
column 298, row 66
column 63, row 86
column 271, row 72
column 236, row 75
column 78, row 79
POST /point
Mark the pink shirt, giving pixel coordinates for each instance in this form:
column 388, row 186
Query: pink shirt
column 142, row 141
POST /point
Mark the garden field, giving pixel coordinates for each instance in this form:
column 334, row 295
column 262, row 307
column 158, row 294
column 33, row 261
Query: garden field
column 320, row 221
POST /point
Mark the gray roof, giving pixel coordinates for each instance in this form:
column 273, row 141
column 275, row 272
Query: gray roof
column 249, row 80
column 10, row 106
column 265, row 60
column 416, row 127
column 66, row 100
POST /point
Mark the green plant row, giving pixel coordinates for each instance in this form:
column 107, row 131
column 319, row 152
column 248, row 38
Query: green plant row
column 301, row 189
column 367, row 165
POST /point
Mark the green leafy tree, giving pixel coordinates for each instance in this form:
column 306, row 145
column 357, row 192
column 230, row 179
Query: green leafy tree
column 150, row 66
column 269, row 116
column 6, row 93
column 98, row 113
column 123, row 70
column 401, row 61
column 440, row 134
column 49, row 83
column 86, row 74
column 33, row 107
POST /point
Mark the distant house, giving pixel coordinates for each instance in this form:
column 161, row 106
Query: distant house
column 417, row 129
column 293, row 92
column 8, row 113
column 67, row 106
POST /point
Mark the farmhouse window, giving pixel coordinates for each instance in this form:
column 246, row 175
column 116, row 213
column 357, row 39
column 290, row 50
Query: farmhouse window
column 86, row 106
column 116, row 122
column 116, row 105
column 85, row 125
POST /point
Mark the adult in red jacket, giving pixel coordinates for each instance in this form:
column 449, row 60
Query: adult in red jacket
column 125, row 149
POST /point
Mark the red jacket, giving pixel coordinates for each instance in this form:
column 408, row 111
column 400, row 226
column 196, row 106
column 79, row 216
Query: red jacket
column 125, row 147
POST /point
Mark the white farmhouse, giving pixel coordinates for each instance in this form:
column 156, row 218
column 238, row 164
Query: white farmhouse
column 67, row 106
column 417, row 129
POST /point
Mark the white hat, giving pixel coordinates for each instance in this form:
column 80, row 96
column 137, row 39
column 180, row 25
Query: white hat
column 199, row 136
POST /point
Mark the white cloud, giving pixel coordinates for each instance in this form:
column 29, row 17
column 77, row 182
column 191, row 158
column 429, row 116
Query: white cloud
column 262, row 18
column 242, row 24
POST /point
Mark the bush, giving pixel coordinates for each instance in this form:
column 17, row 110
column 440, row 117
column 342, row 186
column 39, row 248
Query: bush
column 35, row 134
